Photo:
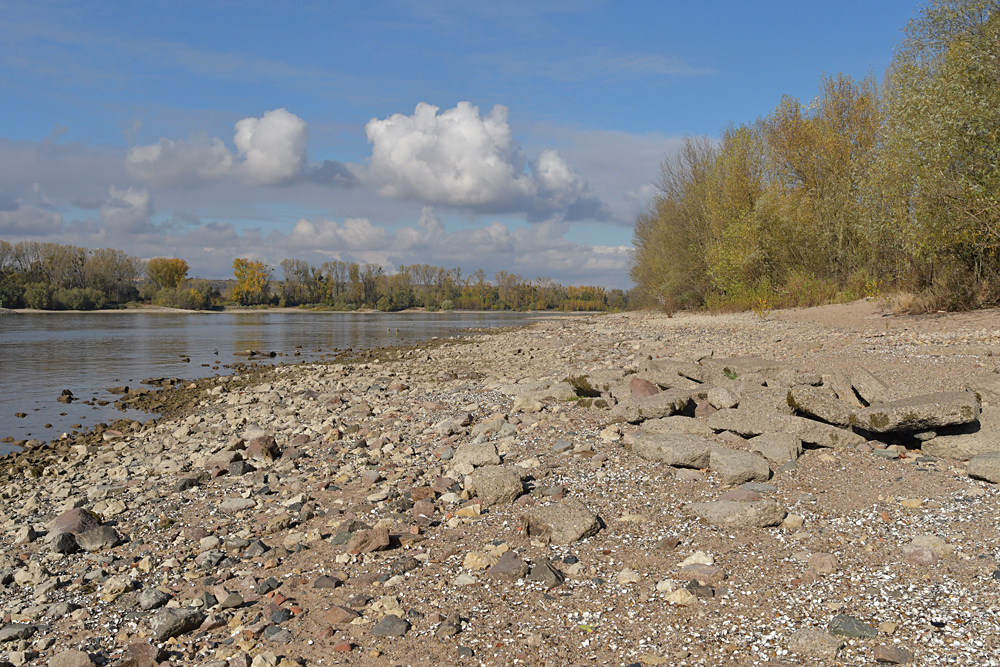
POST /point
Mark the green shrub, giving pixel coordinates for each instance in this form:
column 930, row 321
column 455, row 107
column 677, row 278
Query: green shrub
column 78, row 298
column 38, row 295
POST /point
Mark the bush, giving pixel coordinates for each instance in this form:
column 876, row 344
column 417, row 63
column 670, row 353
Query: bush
column 447, row 304
column 187, row 298
column 39, row 296
column 78, row 298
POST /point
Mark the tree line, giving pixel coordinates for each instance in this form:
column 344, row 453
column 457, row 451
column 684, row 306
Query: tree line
column 50, row 276
column 870, row 186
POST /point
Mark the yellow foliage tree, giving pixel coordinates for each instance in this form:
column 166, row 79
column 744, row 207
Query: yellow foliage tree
column 166, row 273
column 253, row 279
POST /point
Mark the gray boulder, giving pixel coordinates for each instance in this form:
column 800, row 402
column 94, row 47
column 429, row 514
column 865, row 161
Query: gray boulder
column 871, row 389
column 96, row 539
column 495, row 485
column 738, row 467
column 70, row 658
column 814, row 643
column 477, row 454
column 152, row 598
column 74, row 521
column 562, row 523
column 920, row 413
column 734, row 514
column 663, row 404
column 778, row 448
column 677, row 424
column 819, row 403
column 751, row 423
column 168, row 623
column 676, row 449
column 986, row 467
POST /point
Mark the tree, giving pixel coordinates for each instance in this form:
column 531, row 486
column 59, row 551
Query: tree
column 298, row 285
column 166, row 273
column 253, row 279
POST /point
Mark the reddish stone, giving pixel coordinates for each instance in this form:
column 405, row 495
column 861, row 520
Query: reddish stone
column 343, row 647
column 141, row 654
column 422, row 493
column 325, row 632
column 338, row 615
column 367, row 541
column 642, row 388
column 423, row 508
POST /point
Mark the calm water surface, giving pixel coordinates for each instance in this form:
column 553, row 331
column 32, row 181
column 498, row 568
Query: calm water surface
column 42, row 354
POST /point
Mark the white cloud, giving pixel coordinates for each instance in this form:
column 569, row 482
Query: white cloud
column 24, row 221
column 169, row 162
column 461, row 158
column 273, row 147
column 129, row 210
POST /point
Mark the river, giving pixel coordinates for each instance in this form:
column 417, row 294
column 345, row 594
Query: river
column 43, row 353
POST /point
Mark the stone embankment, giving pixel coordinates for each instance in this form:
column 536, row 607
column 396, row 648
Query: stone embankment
column 817, row 487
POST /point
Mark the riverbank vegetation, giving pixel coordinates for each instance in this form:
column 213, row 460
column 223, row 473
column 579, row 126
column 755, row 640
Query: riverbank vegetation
column 49, row 276
column 871, row 187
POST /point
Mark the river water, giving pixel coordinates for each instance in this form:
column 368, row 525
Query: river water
column 43, row 353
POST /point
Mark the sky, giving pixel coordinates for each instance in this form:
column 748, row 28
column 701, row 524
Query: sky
column 523, row 136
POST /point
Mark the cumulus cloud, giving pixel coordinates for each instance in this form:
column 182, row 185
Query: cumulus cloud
column 128, row 210
column 459, row 157
column 271, row 150
column 169, row 162
column 273, row 147
column 24, row 221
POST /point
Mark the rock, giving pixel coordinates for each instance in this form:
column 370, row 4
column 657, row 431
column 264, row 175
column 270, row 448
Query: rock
column 871, row 389
column 141, row 654
column 263, row 447
column 74, row 521
column 721, row 398
column 338, row 615
column 729, row 513
column 986, row 467
column 508, row 566
column 391, row 626
column 629, row 576
column 96, row 539
column 823, row 563
column 174, row 622
column 546, row 574
column 919, row 554
column 449, row 627
column 64, row 543
column 777, row 448
column 676, row 424
column 70, row 658
column 526, row 404
column 819, row 403
column 477, row 454
column 152, row 598
column 848, row 626
column 920, row 413
column 682, row 597
column 233, row 505
column 935, row 544
column 495, row 485
column 640, row 388
column 750, row 423
column 814, row 643
column 562, row 523
column 737, row 467
column 368, row 541
column 894, row 655
column 663, row 404
column 16, row 631
column 675, row 449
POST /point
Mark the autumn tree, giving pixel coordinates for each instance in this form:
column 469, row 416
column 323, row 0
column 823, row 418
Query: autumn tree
column 166, row 273
column 253, row 279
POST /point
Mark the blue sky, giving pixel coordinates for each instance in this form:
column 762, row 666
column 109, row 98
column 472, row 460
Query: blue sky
column 522, row 136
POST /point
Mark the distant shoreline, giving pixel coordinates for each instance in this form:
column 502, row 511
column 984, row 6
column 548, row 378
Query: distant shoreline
column 276, row 309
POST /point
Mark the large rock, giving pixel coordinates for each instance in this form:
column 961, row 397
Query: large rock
column 495, row 485
column 777, row 448
column 750, row 423
column 676, row 449
column 986, row 467
column 663, row 404
column 871, row 389
column 677, row 424
column 920, row 413
column 966, row 445
column 96, row 539
column 74, row 521
column 733, row 514
column 819, row 403
column 562, row 523
column 672, row 373
column 174, row 622
column 70, row 658
column 141, row 654
column 477, row 454
column 814, row 643
column 739, row 467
